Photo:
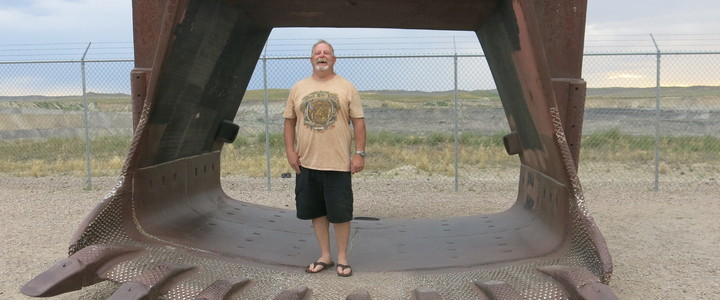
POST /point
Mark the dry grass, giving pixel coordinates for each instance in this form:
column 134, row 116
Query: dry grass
column 432, row 154
column 64, row 167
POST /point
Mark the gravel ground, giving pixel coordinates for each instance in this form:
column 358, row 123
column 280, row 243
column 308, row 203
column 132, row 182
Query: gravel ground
column 663, row 244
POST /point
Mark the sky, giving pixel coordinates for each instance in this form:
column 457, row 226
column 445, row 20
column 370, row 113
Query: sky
column 610, row 23
column 63, row 29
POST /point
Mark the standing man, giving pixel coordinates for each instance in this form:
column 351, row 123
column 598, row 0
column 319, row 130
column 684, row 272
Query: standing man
column 318, row 143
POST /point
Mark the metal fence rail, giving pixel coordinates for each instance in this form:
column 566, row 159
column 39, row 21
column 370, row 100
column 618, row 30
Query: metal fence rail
column 649, row 117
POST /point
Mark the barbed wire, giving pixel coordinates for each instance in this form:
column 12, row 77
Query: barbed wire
column 54, row 51
column 454, row 42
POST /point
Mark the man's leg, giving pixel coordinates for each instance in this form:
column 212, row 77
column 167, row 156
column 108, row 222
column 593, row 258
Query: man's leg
column 342, row 237
column 322, row 233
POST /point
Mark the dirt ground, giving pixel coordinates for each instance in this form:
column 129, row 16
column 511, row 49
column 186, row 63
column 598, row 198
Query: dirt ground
column 663, row 244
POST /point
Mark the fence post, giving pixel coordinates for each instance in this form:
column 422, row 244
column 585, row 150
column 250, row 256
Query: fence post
column 85, row 119
column 267, row 120
column 455, row 133
column 657, row 117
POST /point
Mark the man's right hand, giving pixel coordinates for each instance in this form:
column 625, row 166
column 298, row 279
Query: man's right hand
column 289, row 138
column 294, row 161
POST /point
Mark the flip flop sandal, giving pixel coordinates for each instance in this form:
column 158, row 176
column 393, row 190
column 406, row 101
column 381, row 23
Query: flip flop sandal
column 342, row 268
column 324, row 266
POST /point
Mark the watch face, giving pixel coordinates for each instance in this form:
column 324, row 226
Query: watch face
column 361, row 153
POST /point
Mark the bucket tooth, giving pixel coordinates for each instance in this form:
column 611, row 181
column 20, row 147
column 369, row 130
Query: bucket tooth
column 359, row 295
column 579, row 283
column 222, row 289
column 85, row 267
column 298, row 293
column 151, row 283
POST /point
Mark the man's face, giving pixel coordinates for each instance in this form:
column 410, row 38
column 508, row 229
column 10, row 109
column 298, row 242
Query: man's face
column 323, row 58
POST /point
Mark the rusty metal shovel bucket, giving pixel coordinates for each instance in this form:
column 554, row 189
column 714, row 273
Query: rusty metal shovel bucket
column 168, row 230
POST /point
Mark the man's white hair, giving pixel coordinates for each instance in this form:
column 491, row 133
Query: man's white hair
column 312, row 51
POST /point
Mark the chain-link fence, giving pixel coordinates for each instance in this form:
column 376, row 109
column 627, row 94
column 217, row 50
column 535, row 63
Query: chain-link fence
column 648, row 118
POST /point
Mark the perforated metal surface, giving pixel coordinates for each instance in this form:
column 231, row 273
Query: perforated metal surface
column 268, row 281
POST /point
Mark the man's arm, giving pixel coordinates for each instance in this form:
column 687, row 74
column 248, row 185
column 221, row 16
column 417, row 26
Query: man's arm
column 289, row 137
column 358, row 162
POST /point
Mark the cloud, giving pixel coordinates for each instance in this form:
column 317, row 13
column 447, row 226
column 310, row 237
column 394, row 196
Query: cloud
column 627, row 26
column 621, row 17
column 373, row 41
column 625, row 76
column 681, row 24
column 54, row 21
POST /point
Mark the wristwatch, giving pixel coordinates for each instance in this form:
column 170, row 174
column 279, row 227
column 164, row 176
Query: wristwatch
column 360, row 152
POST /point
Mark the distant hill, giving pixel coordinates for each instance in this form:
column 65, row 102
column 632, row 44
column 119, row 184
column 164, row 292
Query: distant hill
column 275, row 94
column 691, row 91
column 41, row 98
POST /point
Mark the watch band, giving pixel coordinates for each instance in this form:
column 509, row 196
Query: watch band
column 360, row 152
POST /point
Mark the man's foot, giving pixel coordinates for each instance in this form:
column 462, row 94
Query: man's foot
column 341, row 270
column 312, row 268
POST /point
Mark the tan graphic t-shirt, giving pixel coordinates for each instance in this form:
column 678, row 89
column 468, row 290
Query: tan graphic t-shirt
column 323, row 110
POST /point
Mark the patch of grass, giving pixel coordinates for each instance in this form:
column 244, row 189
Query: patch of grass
column 616, row 146
column 438, row 103
column 72, row 167
column 432, row 153
column 275, row 94
column 63, row 156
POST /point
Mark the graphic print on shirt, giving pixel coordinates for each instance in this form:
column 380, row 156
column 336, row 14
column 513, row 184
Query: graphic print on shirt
column 320, row 109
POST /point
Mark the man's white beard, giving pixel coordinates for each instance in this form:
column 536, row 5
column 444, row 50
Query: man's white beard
column 322, row 68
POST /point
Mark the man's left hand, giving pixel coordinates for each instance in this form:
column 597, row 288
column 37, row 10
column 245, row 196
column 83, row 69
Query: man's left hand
column 357, row 164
